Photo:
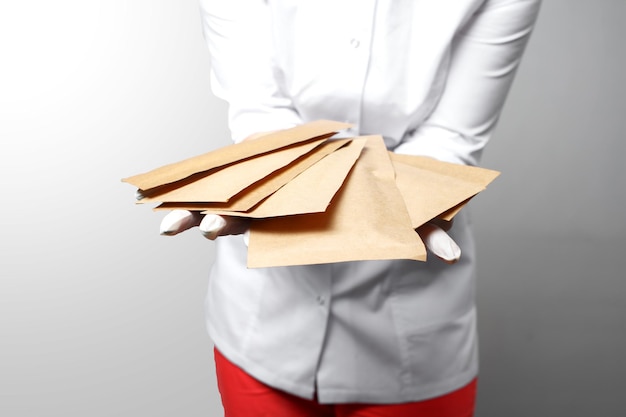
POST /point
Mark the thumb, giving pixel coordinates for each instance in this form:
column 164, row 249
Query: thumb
column 439, row 243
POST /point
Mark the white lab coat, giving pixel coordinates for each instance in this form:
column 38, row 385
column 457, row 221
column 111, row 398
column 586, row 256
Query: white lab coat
column 431, row 77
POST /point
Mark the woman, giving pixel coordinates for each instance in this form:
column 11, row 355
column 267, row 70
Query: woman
column 356, row 338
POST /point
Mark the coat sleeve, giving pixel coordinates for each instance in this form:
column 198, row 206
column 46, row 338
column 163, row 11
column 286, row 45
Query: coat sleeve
column 483, row 59
column 238, row 34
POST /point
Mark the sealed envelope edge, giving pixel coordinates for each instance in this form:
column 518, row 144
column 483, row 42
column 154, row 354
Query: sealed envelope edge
column 236, row 152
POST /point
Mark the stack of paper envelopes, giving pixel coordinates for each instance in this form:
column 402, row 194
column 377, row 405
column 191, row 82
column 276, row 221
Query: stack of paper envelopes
column 316, row 199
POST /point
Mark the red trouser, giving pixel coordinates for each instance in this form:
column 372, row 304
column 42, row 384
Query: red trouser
column 244, row 396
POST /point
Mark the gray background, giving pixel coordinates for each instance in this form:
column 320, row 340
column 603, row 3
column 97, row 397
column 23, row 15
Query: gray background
column 100, row 316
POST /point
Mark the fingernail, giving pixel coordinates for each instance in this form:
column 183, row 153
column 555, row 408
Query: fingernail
column 175, row 221
column 440, row 243
column 211, row 225
column 454, row 251
column 449, row 251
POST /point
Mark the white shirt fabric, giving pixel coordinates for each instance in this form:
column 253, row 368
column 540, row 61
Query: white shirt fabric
column 431, row 77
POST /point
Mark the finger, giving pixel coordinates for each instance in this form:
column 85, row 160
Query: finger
column 177, row 221
column 439, row 243
column 214, row 225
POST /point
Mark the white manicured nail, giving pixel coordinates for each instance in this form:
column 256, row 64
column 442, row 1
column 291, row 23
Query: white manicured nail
column 442, row 245
column 211, row 226
column 175, row 222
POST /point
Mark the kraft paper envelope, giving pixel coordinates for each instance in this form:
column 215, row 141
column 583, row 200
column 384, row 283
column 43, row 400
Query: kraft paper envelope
column 297, row 197
column 258, row 191
column 433, row 188
column 233, row 153
column 222, row 184
column 427, row 194
column 366, row 220
column 285, row 180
